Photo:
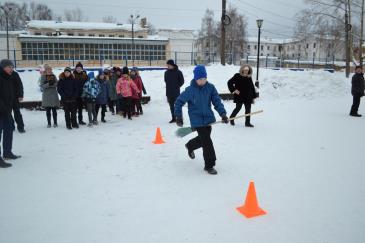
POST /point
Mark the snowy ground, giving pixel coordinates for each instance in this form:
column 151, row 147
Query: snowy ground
column 111, row 184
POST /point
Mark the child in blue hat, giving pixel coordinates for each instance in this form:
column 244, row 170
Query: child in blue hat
column 199, row 96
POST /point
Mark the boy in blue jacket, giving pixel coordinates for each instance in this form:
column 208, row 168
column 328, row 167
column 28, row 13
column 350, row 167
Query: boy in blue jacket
column 199, row 96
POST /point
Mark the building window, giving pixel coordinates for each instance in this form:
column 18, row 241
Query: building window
column 111, row 35
column 262, row 48
column 248, row 47
column 81, row 34
column 70, row 34
column 121, row 36
column 140, row 36
column 37, row 33
column 101, row 35
column 255, row 47
column 91, row 35
column 268, row 48
column 314, row 45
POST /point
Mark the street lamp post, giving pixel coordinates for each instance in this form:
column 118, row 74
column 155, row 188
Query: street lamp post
column 259, row 25
column 133, row 47
column 6, row 12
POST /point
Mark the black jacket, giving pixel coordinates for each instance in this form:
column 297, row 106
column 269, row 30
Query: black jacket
column 358, row 84
column 18, row 86
column 81, row 79
column 7, row 94
column 174, row 79
column 245, row 86
column 67, row 88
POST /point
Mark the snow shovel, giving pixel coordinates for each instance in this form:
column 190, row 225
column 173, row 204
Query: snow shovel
column 184, row 131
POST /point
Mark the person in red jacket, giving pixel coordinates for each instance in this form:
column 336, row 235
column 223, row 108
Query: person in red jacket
column 137, row 107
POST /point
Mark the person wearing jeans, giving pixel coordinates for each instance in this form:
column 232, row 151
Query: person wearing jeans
column 7, row 97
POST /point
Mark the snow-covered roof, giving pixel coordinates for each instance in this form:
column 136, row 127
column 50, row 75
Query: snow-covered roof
column 177, row 33
column 268, row 40
column 150, row 37
column 41, row 24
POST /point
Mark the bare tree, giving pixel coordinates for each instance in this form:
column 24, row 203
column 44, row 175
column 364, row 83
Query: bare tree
column 39, row 11
column 109, row 19
column 207, row 37
column 17, row 16
column 75, row 15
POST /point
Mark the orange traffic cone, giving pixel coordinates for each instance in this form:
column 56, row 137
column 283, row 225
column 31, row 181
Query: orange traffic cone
column 251, row 208
column 158, row 139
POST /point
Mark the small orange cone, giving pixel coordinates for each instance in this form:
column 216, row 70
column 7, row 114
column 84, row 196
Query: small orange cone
column 158, row 139
column 251, row 208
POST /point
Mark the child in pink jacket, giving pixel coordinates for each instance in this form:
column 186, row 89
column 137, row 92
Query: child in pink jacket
column 125, row 88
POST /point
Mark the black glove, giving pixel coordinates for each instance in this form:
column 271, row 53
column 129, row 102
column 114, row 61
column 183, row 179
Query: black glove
column 225, row 119
column 179, row 121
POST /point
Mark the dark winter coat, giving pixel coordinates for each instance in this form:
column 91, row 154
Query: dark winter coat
column 50, row 95
column 174, row 79
column 245, row 86
column 200, row 99
column 18, row 86
column 81, row 79
column 112, row 87
column 67, row 88
column 7, row 93
column 102, row 98
column 358, row 84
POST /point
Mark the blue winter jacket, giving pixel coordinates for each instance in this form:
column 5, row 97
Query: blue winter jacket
column 102, row 98
column 91, row 90
column 200, row 100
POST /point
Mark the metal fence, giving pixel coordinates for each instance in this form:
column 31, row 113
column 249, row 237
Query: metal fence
column 180, row 58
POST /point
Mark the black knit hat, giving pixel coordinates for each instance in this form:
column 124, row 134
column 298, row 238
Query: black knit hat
column 79, row 65
column 6, row 63
column 125, row 70
column 170, row 62
column 68, row 69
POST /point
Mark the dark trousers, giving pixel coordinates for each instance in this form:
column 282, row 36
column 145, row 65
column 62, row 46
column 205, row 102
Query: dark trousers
column 79, row 107
column 111, row 104
column 127, row 106
column 54, row 115
column 171, row 101
column 103, row 111
column 70, row 113
column 119, row 104
column 355, row 104
column 91, row 111
column 6, row 131
column 18, row 116
column 204, row 141
column 247, row 111
column 137, row 106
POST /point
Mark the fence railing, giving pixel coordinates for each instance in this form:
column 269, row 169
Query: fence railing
column 180, row 58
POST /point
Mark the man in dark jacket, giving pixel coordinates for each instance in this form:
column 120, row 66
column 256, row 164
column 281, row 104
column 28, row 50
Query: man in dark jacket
column 68, row 90
column 357, row 90
column 81, row 78
column 174, row 79
column 19, row 94
column 199, row 96
column 7, row 99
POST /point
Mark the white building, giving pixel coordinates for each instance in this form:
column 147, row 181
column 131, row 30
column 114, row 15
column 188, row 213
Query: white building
column 181, row 44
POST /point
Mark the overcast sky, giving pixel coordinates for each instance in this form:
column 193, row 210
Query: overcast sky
column 187, row 14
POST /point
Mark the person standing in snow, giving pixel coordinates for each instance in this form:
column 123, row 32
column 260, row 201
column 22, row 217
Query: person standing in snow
column 81, row 78
column 357, row 90
column 102, row 99
column 19, row 95
column 199, row 96
column 50, row 100
column 115, row 100
column 90, row 93
column 137, row 107
column 68, row 90
column 174, row 80
column 7, row 97
column 125, row 88
column 241, row 85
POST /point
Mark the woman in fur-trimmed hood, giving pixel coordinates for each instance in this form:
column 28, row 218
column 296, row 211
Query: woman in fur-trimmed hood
column 243, row 89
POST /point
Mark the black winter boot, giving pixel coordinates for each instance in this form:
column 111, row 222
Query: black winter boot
column 211, row 171
column 3, row 164
column 190, row 153
column 11, row 156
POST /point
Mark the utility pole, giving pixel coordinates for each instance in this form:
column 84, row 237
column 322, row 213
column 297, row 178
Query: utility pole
column 223, row 34
column 347, row 29
column 361, row 32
